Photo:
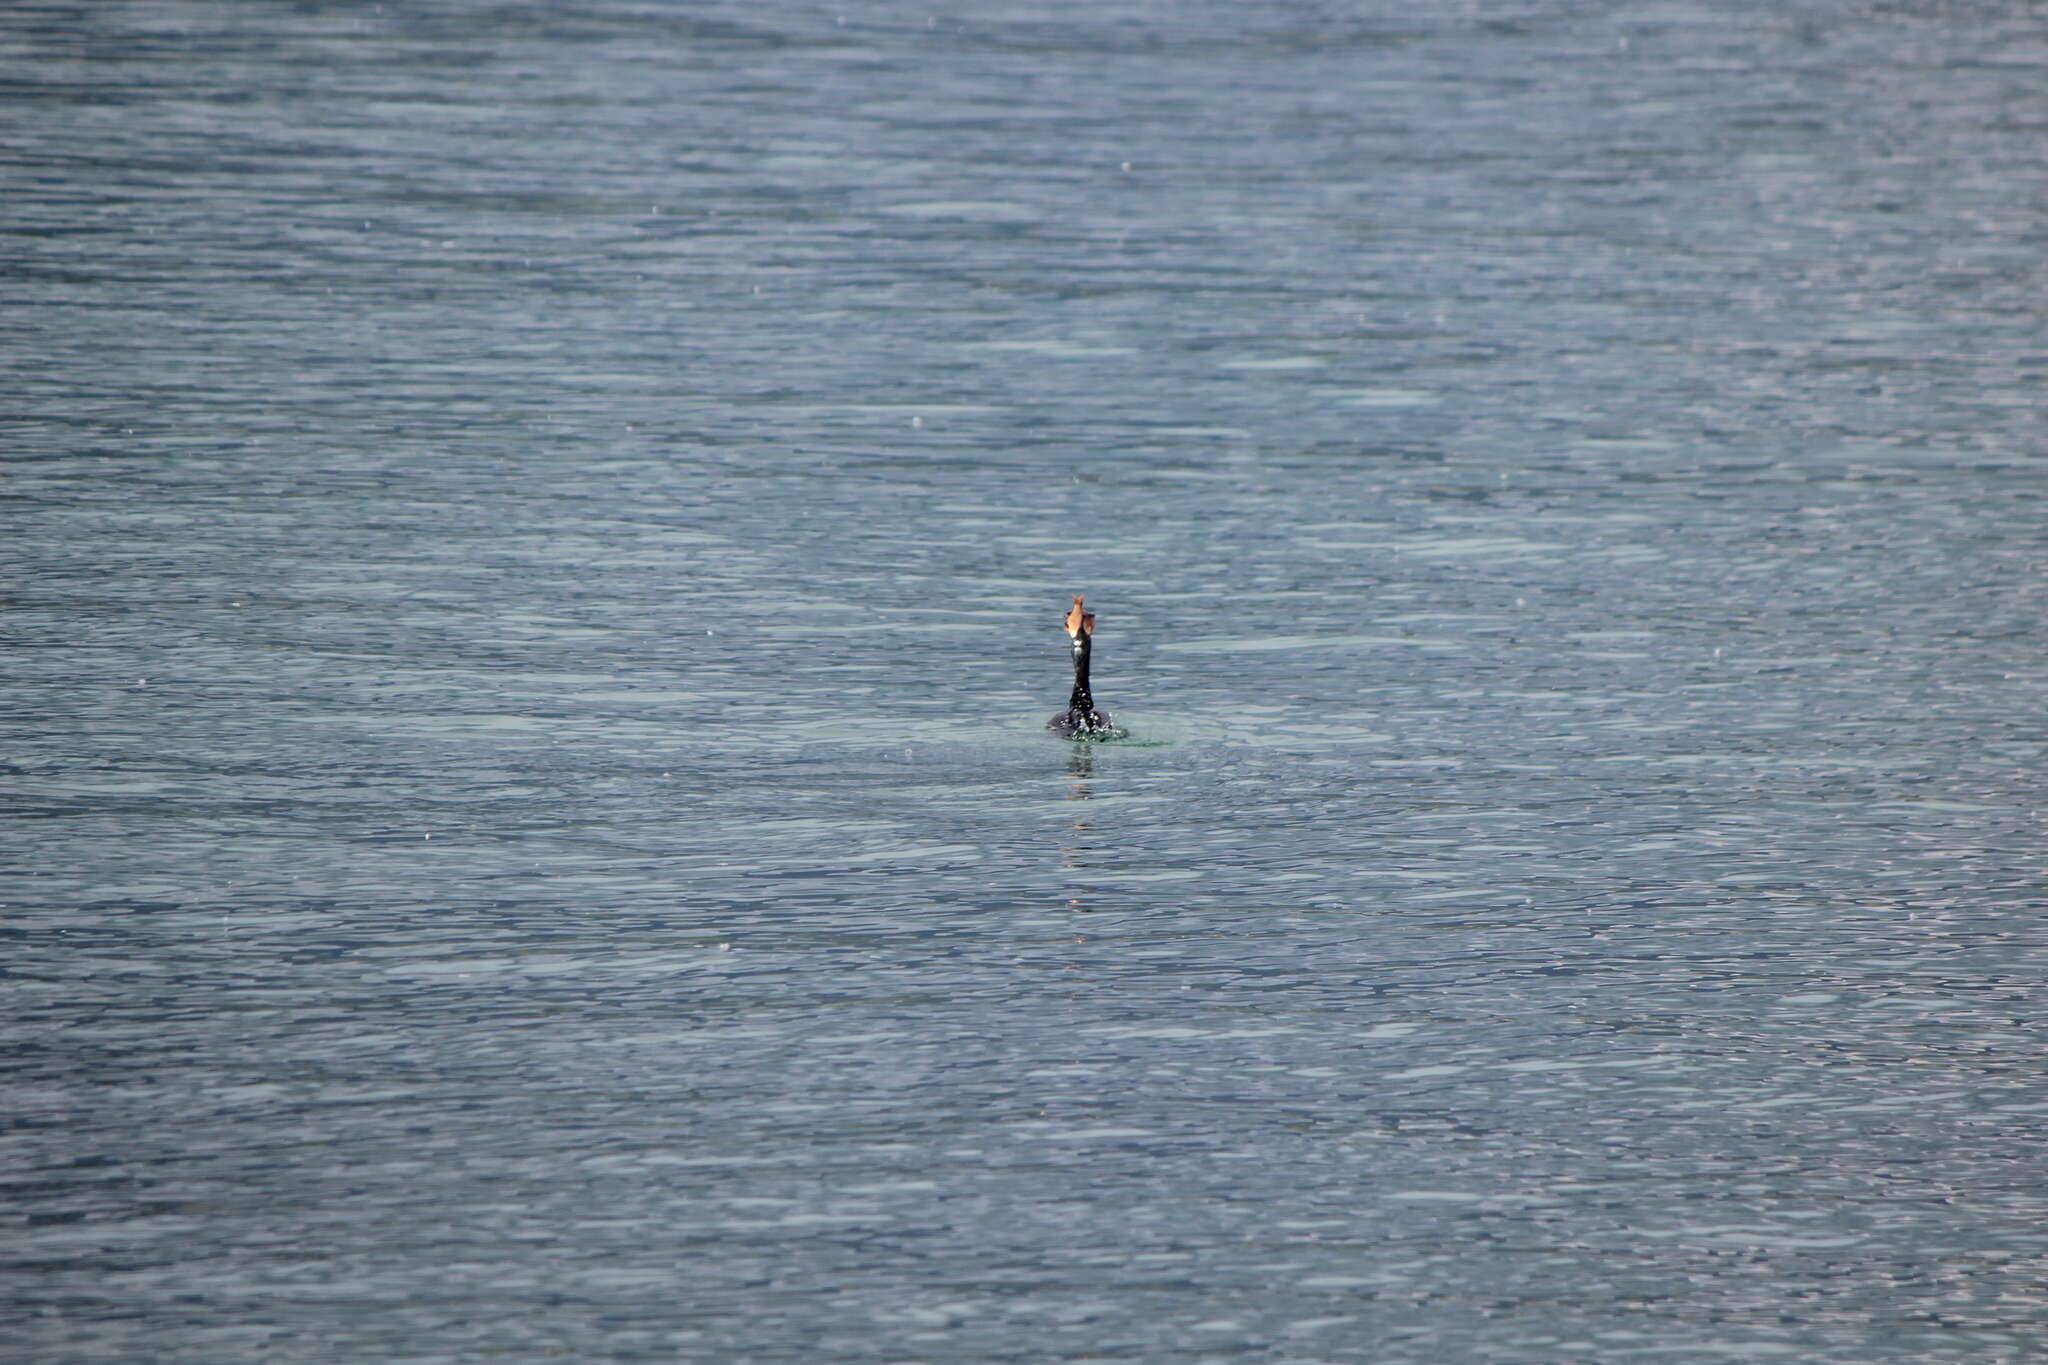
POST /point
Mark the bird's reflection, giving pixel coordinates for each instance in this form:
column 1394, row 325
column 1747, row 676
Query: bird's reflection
column 1076, row 845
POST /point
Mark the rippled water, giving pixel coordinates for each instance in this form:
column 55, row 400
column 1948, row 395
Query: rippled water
column 536, row 536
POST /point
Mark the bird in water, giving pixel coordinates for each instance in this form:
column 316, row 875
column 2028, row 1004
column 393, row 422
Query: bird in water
column 1081, row 720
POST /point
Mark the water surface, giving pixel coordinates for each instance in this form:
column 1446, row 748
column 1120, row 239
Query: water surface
column 536, row 537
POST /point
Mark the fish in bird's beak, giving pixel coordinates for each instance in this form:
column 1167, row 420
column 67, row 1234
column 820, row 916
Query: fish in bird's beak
column 1079, row 622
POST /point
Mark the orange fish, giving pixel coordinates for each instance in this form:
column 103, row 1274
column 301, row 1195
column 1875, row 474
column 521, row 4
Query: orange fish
column 1079, row 622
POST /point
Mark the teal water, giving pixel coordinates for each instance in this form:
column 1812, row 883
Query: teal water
column 535, row 538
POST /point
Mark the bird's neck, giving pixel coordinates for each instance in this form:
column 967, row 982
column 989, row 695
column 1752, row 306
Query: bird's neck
column 1081, row 698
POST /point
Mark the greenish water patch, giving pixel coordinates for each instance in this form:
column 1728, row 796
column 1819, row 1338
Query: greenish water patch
column 1121, row 738
column 1112, row 735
